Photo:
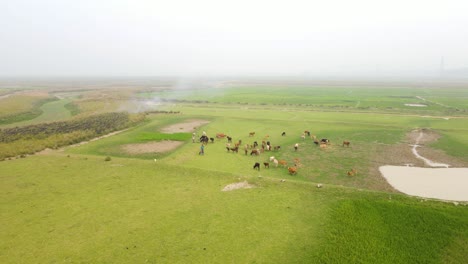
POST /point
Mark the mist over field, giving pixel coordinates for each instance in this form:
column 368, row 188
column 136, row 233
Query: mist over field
column 301, row 39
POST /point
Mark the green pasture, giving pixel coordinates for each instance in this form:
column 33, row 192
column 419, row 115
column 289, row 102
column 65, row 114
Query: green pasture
column 83, row 209
column 50, row 112
column 438, row 100
column 17, row 108
column 74, row 206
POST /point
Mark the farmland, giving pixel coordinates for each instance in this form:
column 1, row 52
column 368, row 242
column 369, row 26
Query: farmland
column 98, row 203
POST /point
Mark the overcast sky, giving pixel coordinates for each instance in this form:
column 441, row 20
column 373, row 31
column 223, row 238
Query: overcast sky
column 238, row 37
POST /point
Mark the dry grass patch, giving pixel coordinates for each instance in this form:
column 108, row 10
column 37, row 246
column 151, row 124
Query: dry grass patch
column 152, row 147
column 188, row 126
column 237, row 185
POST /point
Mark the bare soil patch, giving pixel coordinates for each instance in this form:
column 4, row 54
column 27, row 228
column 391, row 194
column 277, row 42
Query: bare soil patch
column 188, row 126
column 237, row 185
column 151, row 147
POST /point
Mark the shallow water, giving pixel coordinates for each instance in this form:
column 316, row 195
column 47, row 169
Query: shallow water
column 439, row 183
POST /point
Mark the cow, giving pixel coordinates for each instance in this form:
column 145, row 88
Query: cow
column 275, row 161
column 220, row 135
column 277, row 147
column 256, row 166
column 346, row 143
column 324, row 140
column 251, row 134
column 352, row 172
column 283, row 134
column 255, row 144
column 283, row 163
column 292, row 170
column 255, row 151
column 204, row 139
column 296, row 146
column 307, row 132
column 212, row 140
column 229, row 139
column 266, row 164
column 316, row 142
column 235, row 149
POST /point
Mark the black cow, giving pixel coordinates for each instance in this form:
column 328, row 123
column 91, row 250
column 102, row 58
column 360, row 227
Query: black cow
column 256, row 166
column 204, row 139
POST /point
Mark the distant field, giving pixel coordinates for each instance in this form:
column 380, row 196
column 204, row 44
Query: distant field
column 19, row 107
column 97, row 203
column 439, row 101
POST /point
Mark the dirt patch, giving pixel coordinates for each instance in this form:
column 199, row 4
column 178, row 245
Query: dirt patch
column 188, row 126
column 151, row 147
column 237, row 185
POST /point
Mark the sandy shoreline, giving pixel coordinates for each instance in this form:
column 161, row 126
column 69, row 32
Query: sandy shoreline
column 440, row 183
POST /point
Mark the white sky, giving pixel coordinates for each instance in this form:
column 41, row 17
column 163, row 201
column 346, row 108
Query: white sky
column 205, row 37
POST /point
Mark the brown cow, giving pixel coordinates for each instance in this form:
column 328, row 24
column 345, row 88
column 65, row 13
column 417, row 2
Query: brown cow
column 352, row 172
column 283, row 163
column 346, row 143
column 220, row 135
column 266, row 164
column 292, row 170
column 251, row 134
column 255, row 151
column 235, row 149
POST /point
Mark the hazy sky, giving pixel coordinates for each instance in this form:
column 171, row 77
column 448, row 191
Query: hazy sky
column 204, row 37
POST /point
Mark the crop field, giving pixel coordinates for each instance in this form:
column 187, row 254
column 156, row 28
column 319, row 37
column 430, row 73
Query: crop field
column 146, row 195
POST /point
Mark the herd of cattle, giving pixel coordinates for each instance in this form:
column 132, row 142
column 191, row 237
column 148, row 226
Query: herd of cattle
column 255, row 149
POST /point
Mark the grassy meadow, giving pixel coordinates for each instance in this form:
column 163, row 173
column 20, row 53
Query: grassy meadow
column 73, row 206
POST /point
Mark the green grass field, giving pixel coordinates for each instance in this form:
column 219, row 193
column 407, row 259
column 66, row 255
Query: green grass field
column 73, row 206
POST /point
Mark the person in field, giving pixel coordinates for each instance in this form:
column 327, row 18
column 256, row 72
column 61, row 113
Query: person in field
column 202, row 150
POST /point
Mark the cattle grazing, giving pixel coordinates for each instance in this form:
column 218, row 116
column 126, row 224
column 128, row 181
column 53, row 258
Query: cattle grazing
column 204, row 139
column 220, row 135
column 277, row 147
column 316, row 142
column 346, row 143
column 212, row 140
column 255, row 144
column 296, row 146
column 292, row 170
column 255, row 151
column 229, row 139
column 283, row 163
column 352, row 172
column 256, row 166
column 307, row 132
column 283, row 134
column 303, row 136
column 324, row 140
column 268, row 147
column 297, row 162
column 251, row 134
column 266, row 164
column 235, row 149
